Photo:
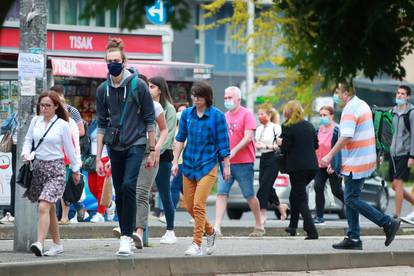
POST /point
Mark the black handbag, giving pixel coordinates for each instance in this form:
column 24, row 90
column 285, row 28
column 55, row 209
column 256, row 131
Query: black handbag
column 89, row 164
column 73, row 191
column 24, row 178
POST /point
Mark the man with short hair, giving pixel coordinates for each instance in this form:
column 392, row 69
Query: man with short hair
column 357, row 145
column 73, row 111
column 241, row 125
column 402, row 149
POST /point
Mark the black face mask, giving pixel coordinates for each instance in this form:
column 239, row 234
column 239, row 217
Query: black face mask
column 115, row 68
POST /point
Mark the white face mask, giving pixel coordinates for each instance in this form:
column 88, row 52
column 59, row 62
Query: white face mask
column 229, row 105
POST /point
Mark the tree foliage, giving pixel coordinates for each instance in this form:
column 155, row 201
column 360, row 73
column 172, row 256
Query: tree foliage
column 133, row 11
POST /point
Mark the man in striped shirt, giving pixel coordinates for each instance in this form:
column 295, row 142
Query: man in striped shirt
column 357, row 145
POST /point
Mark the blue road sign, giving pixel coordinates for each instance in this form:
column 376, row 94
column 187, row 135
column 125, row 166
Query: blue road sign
column 157, row 14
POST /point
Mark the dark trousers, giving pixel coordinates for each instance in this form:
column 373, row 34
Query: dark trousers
column 125, row 168
column 268, row 172
column 164, row 189
column 298, row 199
column 320, row 180
column 177, row 186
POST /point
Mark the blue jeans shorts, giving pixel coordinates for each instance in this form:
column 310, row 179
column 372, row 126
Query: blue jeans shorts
column 243, row 174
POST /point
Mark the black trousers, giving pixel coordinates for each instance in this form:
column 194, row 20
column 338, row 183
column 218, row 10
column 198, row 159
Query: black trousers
column 268, row 172
column 320, row 180
column 298, row 199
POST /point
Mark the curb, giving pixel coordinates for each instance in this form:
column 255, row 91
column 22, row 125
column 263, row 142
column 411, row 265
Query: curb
column 92, row 231
column 209, row 265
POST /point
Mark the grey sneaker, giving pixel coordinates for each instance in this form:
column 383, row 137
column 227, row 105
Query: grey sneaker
column 211, row 243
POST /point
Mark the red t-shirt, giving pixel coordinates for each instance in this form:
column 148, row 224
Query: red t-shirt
column 237, row 123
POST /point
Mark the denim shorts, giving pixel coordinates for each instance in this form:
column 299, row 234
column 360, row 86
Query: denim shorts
column 243, row 174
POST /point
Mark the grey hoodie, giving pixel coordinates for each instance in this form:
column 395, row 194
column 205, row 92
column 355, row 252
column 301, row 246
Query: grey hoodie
column 402, row 140
column 137, row 121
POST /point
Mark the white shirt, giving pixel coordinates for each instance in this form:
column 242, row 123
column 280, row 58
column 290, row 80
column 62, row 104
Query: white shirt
column 58, row 137
column 266, row 134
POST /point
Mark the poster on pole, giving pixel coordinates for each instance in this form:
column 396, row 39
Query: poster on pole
column 5, row 176
column 28, row 87
column 31, row 65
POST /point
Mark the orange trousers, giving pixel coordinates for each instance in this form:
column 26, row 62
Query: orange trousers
column 195, row 197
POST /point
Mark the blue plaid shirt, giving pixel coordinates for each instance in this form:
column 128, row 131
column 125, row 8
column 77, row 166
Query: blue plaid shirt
column 201, row 152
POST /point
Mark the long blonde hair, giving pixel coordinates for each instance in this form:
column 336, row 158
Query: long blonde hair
column 293, row 112
column 271, row 112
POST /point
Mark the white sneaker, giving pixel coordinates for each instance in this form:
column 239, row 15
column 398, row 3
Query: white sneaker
column 74, row 219
column 54, row 250
column 193, row 250
column 7, row 219
column 110, row 211
column 409, row 218
column 125, row 246
column 97, row 218
column 169, row 237
column 137, row 241
column 116, row 232
column 37, row 249
column 211, row 243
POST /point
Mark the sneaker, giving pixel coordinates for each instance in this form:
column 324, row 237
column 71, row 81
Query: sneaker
column 408, row 219
column 54, row 250
column 211, row 243
column 97, row 218
column 390, row 230
column 348, row 243
column 194, row 250
column 169, row 237
column 319, row 221
column 116, row 232
column 7, row 219
column 125, row 246
column 37, row 249
column 137, row 241
column 257, row 233
column 162, row 219
column 73, row 220
column 110, row 211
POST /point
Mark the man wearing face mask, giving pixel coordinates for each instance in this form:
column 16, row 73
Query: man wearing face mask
column 241, row 126
column 402, row 149
column 357, row 145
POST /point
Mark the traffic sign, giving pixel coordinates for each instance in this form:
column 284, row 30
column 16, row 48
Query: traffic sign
column 157, row 14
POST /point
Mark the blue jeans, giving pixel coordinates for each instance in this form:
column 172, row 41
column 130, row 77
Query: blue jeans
column 177, row 186
column 244, row 174
column 355, row 206
column 163, row 185
column 125, row 169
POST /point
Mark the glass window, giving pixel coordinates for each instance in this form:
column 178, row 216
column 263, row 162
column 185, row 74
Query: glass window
column 100, row 19
column 114, row 18
column 71, row 12
column 84, row 22
column 54, row 11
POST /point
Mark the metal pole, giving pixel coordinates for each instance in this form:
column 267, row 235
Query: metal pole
column 33, row 30
column 250, row 55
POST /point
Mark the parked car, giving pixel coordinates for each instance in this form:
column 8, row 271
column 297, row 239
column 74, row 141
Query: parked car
column 373, row 192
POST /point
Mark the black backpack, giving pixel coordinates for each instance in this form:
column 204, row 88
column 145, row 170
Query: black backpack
column 85, row 141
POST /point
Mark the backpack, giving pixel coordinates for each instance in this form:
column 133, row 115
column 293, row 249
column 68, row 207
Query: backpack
column 9, row 124
column 383, row 128
column 85, row 141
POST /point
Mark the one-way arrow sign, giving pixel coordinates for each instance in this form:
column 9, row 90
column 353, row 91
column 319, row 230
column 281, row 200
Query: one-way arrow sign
column 157, row 14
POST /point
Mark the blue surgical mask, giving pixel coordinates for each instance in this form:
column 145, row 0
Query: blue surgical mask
column 400, row 101
column 336, row 99
column 229, row 105
column 115, row 68
column 324, row 121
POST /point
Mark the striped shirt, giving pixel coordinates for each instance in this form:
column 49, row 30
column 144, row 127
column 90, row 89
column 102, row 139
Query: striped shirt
column 359, row 156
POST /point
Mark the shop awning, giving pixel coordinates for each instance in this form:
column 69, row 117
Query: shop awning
column 96, row 68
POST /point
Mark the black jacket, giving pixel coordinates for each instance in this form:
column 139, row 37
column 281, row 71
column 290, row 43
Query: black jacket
column 300, row 141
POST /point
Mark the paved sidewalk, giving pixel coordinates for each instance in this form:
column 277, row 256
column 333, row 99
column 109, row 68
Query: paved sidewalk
column 233, row 255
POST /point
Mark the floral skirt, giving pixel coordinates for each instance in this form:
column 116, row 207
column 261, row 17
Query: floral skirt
column 49, row 180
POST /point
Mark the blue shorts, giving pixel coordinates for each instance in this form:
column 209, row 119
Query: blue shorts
column 243, row 174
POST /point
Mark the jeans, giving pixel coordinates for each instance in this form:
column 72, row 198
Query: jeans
column 320, row 181
column 177, row 186
column 244, row 174
column 163, row 185
column 125, row 169
column 268, row 172
column 195, row 196
column 355, row 206
column 298, row 199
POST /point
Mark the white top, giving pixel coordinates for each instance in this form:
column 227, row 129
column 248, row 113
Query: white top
column 94, row 145
column 57, row 138
column 266, row 134
column 158, row 109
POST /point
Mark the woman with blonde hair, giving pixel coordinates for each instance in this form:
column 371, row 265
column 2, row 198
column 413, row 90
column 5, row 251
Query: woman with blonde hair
column 298, row 143
column 266, row 134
